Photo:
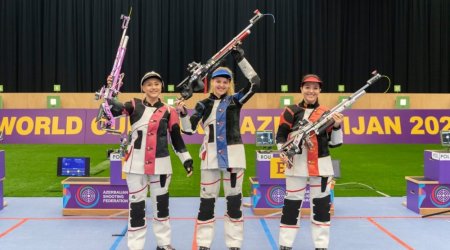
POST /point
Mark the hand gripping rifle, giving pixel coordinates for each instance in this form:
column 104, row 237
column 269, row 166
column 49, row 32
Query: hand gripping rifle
column 302, row 131
column 109, row 91
column 198, row 71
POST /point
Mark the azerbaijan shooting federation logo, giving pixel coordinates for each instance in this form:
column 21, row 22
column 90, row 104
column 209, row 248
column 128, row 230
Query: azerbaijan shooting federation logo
column 87, row 197
column 440, row 196
column 275, row 196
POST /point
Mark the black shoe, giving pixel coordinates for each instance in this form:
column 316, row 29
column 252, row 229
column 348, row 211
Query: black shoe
column 203, row 248
column 321, row 249
column 168, row 247
column 285, row 248
column 234, row 248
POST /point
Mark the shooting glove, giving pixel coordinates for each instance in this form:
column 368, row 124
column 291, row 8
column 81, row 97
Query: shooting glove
column 238, row 53
column 188, row 166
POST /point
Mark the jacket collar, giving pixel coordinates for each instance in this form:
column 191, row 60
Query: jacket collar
column 214, row 97
column 157, row 104
column 305, row 105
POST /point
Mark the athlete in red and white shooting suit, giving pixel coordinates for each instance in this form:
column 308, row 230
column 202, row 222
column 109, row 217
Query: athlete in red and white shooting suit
column 313, row 164
column 148, row 165
column 222, row 152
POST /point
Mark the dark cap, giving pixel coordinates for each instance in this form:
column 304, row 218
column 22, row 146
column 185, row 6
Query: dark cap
column 151, row 74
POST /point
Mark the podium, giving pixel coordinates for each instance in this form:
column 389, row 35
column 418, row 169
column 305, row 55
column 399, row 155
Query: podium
column 97, row 195
column 269, row 186
column 430, row 193
column 2, row 178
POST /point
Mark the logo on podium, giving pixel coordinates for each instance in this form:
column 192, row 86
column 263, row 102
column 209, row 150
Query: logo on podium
column 440, row 197
column 275, row 196
column 87, row 197
column 277, row 168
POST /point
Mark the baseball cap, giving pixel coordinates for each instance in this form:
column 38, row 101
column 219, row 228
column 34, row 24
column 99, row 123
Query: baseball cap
column 221, row 72
column 151, row 74
column 311, row 78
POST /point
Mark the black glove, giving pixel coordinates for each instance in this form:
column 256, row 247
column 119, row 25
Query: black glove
column 238, row 53
column 188, row 166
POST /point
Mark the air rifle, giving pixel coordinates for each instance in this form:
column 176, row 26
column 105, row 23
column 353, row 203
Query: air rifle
column 110, row 91
column 198, row 71
column 304, row 129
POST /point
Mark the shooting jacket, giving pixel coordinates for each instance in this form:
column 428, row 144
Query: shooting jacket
column 222, row 145
column 315, row 161
column 151, row 127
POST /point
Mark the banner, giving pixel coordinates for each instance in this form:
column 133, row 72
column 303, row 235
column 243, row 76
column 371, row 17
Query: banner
column 95, row 196
column 77, row 126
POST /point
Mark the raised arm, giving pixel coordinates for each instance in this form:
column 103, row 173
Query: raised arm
column 253, row 79
column 118, row 108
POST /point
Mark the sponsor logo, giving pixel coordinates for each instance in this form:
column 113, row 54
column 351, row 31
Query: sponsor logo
column 440, row 156
column 263, row 156
column 115, row 157
column 444, row 156
column 440, row 196
column 275, row 196
column 277, row 168
column 87, row 197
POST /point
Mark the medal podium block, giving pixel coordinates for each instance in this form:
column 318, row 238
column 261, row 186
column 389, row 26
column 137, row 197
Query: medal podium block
column 430, row 193
column 269, row 185
column 426, row 196
column 437, row 165
column 97, row 195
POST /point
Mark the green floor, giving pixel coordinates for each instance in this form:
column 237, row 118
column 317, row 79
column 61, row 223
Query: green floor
column 365, row 169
